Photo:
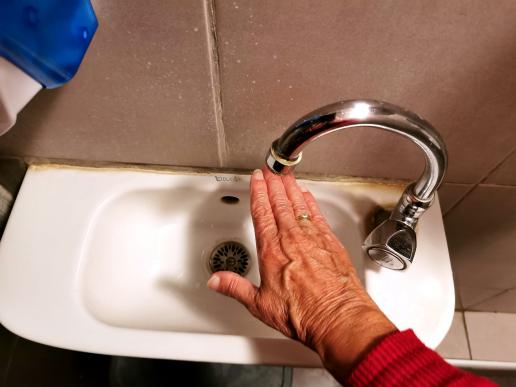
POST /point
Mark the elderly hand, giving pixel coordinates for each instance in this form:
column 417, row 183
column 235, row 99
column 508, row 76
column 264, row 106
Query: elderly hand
column 309, row 289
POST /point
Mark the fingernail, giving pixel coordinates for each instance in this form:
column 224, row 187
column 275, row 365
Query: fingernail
column 258, row 174
column 214, row 282
column 303, row 188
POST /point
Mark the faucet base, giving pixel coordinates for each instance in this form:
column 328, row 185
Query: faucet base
column 280, row 165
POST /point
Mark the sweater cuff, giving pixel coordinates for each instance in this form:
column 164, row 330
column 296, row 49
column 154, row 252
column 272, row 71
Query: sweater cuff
column 402, row 359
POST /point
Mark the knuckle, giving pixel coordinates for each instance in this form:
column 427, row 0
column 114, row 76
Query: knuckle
column 289, row 236
column 260, row 195
column 266, row 230
column 268, row 249
column 259, row 211
column 283, row 210
column 293, row 231
column 281, row 204
column 259, row 198
column 299, row 207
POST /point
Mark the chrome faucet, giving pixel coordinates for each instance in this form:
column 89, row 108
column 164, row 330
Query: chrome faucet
column 392, row 244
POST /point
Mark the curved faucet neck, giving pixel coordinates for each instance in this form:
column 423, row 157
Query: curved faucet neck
column 286, row 150
column 391, row 244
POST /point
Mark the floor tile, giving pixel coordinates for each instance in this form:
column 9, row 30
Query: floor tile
column 310, row 377
column 455, row 344
column 492, row 336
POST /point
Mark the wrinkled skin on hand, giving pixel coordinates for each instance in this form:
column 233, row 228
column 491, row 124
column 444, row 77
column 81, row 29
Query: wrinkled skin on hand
column 309, row 289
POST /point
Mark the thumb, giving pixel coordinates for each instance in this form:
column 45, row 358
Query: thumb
column 234, row 286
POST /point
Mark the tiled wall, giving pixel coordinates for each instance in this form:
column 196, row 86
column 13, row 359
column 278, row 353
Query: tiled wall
column 481, row 336
column 481, row 231
column 213, row 82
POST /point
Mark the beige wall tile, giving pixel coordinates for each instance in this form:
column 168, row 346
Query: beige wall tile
column 451, row 62
column 502, row 302
column 471, row 296
column 492, row 336
column 458, row 299
column 481, row 232
column 506, row 173
column 142, row 94
column 450, row 193
column 455, row 344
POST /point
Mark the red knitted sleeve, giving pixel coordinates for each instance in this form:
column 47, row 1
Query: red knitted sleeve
column 401, row 359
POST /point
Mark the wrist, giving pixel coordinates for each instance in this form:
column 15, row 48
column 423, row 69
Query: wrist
column 348, row 341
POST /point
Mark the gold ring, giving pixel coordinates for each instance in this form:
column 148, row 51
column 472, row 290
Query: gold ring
column 303, row 217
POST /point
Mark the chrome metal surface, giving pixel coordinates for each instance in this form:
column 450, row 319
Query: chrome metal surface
column 386, row 239
column 392, row 244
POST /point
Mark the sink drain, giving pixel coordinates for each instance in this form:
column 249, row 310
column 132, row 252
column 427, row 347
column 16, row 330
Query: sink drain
column 230, row 256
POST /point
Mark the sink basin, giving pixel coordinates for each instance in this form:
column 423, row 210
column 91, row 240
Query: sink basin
column 116, row 261
column 146, row 258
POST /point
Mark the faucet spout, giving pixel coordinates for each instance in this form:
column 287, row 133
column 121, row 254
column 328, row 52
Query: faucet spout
column 393, row 243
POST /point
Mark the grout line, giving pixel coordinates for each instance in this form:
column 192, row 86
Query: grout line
column 475, row 185
column 467, row 334
column 498, row 165
column 461, row 198
column 485, row 299
column 209, row 14
column 490, row 298
column 493, row 185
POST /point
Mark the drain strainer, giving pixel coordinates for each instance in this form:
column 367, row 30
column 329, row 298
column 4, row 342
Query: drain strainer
column 230, row 256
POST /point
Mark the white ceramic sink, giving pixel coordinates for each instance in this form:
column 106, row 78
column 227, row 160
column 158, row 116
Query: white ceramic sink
column 115, row 261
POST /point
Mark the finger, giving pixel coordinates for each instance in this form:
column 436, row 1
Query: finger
column 280, row 204
column 265, row 228
column 330, row 239
column 261, row 211
column 295, row 196
column 232, row 285
column 317, row 216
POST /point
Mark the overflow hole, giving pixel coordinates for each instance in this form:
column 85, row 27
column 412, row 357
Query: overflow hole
column 229, row 199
